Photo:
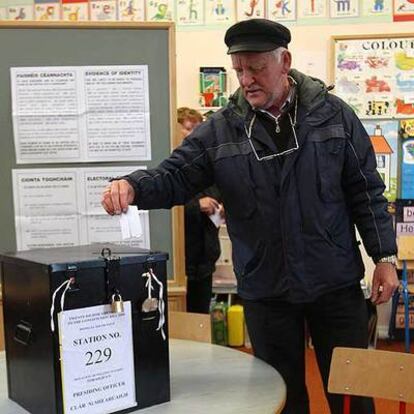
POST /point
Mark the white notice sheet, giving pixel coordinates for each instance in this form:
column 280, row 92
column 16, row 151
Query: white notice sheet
column 97, row 360
column 81, row 113
column 56, row 208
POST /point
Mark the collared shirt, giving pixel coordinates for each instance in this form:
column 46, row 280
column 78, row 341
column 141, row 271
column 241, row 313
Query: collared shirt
column 279, row 127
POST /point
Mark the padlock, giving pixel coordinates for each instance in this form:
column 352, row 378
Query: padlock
column 149, row 305
column 117, row 303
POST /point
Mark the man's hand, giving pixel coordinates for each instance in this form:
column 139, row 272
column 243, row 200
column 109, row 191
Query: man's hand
column 384, row 283
column 208, row 205
column 117, row 196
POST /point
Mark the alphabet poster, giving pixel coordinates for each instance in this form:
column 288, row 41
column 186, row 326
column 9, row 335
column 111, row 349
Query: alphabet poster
column 103, row 10
column 312, row 9
column 20, row 10
column 75, row 10
column 160, row 10
column 283, row 10
column 376, row 7
column 131, row 10
column 47, row 10
column 376, row 75
column 190, row 12
column 220, row 11
column 250, row 9
column 344, row 8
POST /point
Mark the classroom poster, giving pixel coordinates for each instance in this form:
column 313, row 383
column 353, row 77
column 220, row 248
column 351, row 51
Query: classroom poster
column 403, row 10
column 404, row 219
column 308, row 9
column 190, row 12
column 47, row 10
column 160, row 10
column 131, row 10
column 407, row 164
column 20, row 10
column 284, row 10
column 3, row 10
column 220, row 11
column 250, row 9
column 62, row 207
column 103, row 10
column 376, row 7
column 384, row 138
column 343, row 8
column 376, row 76
column 75, row 10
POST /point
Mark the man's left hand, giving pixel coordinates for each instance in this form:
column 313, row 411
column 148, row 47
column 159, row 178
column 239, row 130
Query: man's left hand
column 384, row 283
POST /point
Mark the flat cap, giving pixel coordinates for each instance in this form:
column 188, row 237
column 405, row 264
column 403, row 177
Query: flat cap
column 256, row 35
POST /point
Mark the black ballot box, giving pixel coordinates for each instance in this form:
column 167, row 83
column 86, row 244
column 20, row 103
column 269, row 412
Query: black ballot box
column 87, row 276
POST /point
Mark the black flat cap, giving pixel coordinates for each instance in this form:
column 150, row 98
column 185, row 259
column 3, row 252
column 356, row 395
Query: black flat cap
column 256, row 35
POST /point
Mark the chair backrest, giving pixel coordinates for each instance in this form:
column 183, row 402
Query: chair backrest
column 192, row 326
column 372, row 373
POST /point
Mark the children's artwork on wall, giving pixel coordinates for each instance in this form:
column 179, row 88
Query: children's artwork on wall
column 220, row 11
column 103, row 10
column 375, row 75
column 308, row 9
column 404, row 220
column 344, row 8
column 190, row 12
column 213, row 86
column 131, row 10
column 281, row 10
column 75, row 10
column 250, row 9
column 407, row 158
column 376, row 7
column 46, row 10
column 403, row 10
column 20, row 10
column 160, row 10
column 384, row 139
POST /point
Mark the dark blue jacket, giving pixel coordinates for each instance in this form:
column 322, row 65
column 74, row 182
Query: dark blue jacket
column 292, row 228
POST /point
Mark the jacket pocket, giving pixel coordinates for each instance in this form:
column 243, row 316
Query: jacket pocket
column 329, row 144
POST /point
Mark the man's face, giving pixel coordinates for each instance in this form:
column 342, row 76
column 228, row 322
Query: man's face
column 262, row 77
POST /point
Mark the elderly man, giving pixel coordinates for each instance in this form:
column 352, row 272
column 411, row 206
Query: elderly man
column 297, row 173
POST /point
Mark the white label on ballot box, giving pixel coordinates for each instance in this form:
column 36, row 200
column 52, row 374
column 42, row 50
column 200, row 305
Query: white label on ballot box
column 97, row 360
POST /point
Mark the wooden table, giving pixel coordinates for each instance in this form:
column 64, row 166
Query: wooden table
column 205, row 379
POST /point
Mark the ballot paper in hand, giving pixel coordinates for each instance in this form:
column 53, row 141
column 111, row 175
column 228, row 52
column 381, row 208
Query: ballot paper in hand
column 130, row 223
column 217, row 217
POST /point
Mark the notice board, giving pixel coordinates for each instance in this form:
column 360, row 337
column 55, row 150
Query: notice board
column 95, row 44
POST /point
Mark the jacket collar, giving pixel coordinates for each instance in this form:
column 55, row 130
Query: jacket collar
column 312, row 94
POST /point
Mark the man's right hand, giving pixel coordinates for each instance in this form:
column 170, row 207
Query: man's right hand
column 117, row 196
column 208, row 205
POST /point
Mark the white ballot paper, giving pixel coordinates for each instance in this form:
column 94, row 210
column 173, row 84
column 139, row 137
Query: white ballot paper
column 217, row 217
column 97, row 360
column 130, row 223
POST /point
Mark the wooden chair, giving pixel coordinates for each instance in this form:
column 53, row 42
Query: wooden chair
column 191, row 326
column 372, row 373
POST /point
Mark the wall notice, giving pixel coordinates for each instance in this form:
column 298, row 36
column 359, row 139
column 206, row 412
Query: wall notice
column 97, row 360
column 62, row 207
column 88, row 113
